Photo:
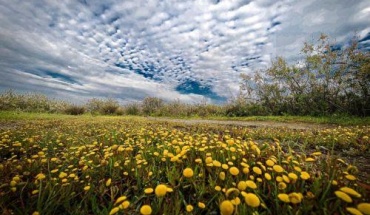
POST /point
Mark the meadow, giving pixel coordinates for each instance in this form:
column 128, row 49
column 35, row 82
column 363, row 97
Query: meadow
column 59, row 164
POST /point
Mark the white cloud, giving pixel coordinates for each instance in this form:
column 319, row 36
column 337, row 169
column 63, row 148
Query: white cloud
column 159, row 44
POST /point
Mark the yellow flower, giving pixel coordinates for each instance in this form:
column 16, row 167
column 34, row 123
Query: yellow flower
column 226, row 208
column 231, row 190
column 222, row 176
column 343, row 196
column 350, row 191
column 283, row 197
column 242, row 185
column 310, row 159
column 350, row 177
column 316, row 153
column 257, row 170
column 225, row 166
column 146, row 210
column 353, row 211
column 295, row 198
column 13, row 183
column 216, row 163
column 279, row 179
column 310, row 195
column 201, row 205
column 161, row 190
column 286, row 179
column 277, row 168
column 293, row 176
column 217, row 188
column 270, row 162
column 108, row 182
column 40, row 176
column 114, row 211
column 62, row 175
column 36, row 213
column 230, row 142
column 267, row 176
column 234, row 171
column 334, row 182
column 281, row 185
column 251, row 184
column 87, row 188
column 297, row 168
column 148, row 190
column 125, row 204
column 189, row 208
column 209, row 160
column 364, row 208
column 236, row 201
column 246, row 170
column 188, row 173
column 252, row 200
column 35, row 192
column 120, row 199
column 305, row 175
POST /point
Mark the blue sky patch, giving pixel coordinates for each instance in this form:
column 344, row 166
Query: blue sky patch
column 195, row 87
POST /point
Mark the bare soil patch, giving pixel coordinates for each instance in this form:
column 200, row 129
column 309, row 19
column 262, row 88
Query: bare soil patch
column 290, row 125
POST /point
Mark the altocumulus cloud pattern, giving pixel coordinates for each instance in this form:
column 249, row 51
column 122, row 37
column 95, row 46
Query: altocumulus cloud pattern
column 171, row 49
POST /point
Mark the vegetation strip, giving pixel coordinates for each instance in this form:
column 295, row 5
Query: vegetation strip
column 113, row 165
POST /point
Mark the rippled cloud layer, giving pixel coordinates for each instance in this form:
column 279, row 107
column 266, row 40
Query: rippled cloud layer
column 178, row 49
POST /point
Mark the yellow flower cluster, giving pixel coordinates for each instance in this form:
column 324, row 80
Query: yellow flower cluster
column 138, row 167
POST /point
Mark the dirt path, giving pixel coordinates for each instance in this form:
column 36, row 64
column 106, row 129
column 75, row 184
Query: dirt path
column 253, row 124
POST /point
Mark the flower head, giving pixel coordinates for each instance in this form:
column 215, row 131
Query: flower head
column 350, row 191
column 148, row 190
column 146, row 210
column 252, row 200
column 364, row 208
column 188, row 173
column 108, row 182
column 283, row 197
column 161, row 190
column 114, row 211
column 257, row 170
column 189, row 208
column 295, row 198
column 40, row 176
column 277, row 168
column 234, row 171
column 353, row 211
column 242, row 185
column 201, row 205
column 305, row 175
column 344, row 196
column 251, row 184
column 226, row 208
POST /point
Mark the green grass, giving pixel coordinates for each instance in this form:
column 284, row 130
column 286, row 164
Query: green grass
column 335, row 120
column 60, row 164
column 19, row 115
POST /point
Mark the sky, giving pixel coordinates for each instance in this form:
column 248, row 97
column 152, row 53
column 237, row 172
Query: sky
column 192, row 51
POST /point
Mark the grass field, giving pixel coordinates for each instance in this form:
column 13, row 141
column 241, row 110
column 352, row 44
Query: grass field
column 58, row 164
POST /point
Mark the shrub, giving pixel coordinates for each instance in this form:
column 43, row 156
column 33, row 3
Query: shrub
column 75, row 110
column 151, row 105
column 132, row 109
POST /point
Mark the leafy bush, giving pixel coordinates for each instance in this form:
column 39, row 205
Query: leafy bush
column 328, row 81
column 132, row 109
column 75, row 110
column 151, row 105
